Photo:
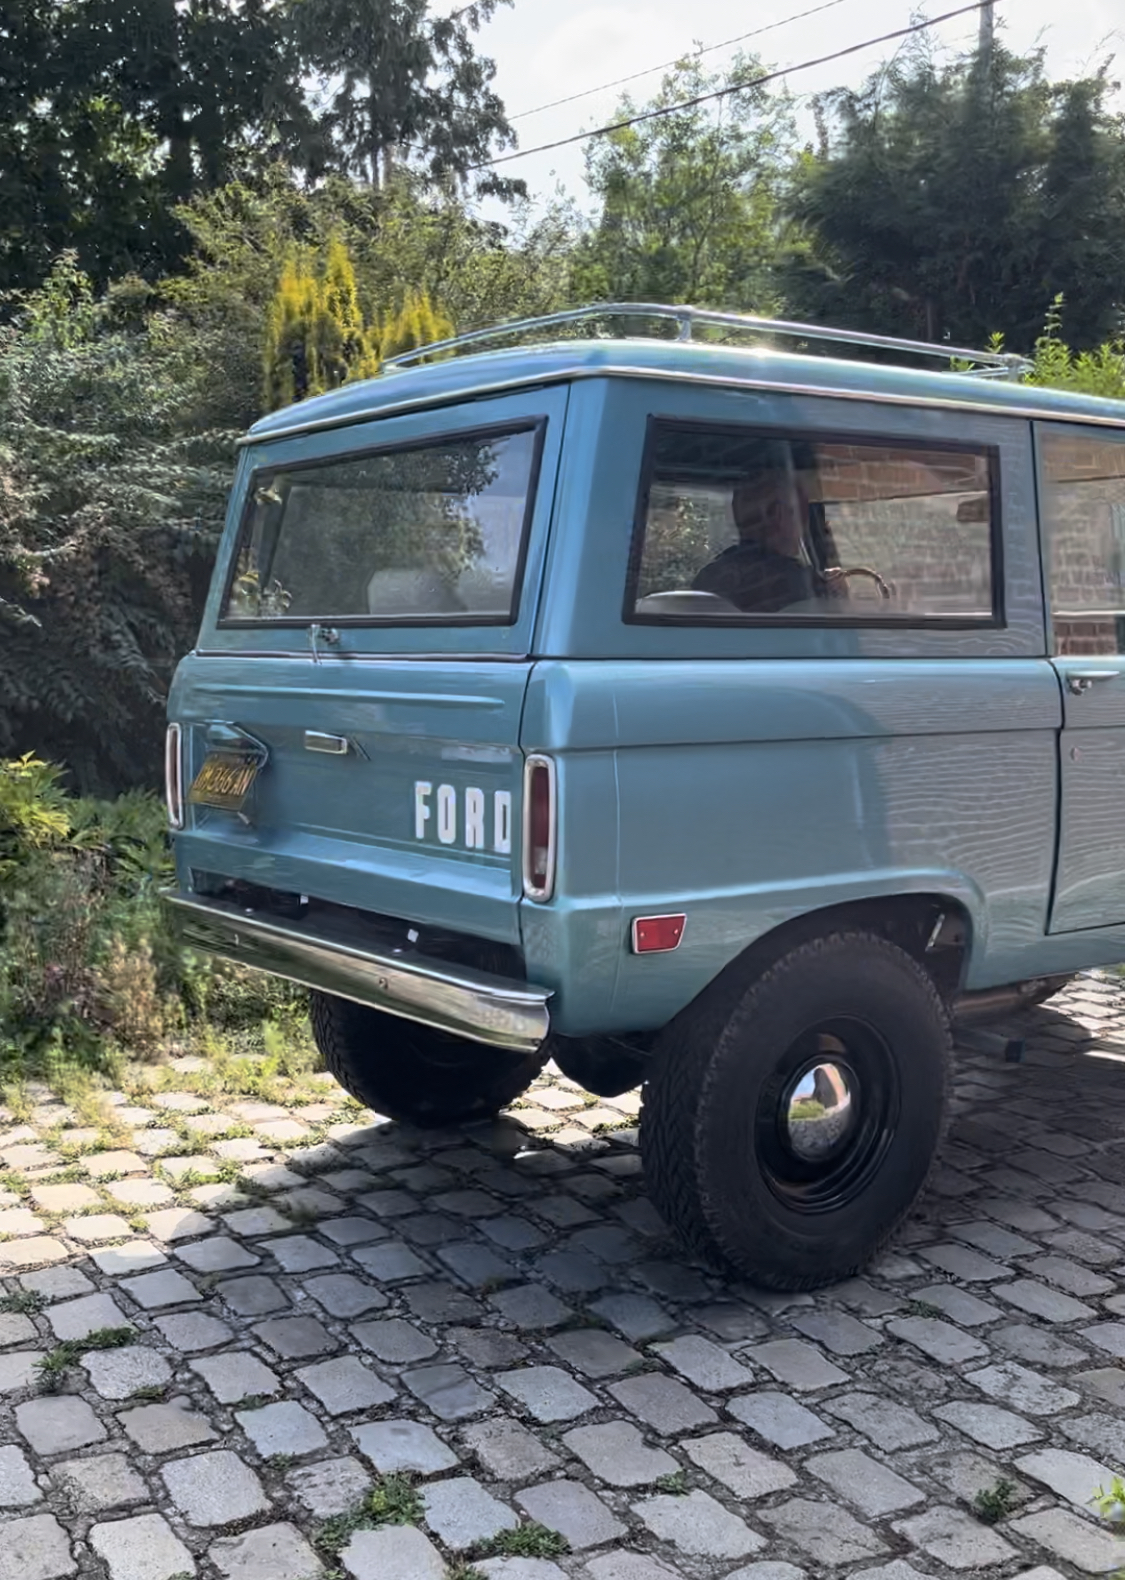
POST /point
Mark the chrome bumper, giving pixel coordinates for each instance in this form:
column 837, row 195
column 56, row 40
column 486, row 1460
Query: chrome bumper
column 468, row 1003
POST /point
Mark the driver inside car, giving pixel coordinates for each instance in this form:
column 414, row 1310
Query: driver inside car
column 767, row 569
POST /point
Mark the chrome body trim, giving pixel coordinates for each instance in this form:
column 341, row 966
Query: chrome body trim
column 471, row 1004
column 530, row 380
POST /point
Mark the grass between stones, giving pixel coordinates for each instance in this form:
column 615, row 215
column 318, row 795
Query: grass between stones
column 526, row 1541
column 57, row 1362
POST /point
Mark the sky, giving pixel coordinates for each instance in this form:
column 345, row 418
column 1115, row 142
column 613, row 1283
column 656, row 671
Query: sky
column 548, row 49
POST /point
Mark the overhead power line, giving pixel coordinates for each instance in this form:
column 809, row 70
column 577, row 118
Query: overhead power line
column 708, row 49
column 732, row 87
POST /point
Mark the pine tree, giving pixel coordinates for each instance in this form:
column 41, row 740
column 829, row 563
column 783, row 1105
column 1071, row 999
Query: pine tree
column 317, row 337
column 417, row 323
column 291, row 359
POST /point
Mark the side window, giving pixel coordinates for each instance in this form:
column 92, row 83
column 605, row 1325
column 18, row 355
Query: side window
column 737, row 524
column 1083, row 503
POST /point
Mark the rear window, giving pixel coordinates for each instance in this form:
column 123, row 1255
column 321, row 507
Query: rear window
column 427, row 533
column 752, row 526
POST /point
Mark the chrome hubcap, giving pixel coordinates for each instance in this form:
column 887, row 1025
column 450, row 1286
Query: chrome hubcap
column 819, row 1112
column 826, row 1116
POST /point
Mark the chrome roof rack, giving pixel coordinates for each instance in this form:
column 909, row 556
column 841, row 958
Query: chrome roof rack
column 987, row 364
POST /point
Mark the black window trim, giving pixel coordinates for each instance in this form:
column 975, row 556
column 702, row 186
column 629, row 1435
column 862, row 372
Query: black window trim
column 533, row 425
column 904, row 622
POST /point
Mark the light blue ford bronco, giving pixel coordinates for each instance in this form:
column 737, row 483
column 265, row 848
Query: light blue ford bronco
column 716, row 717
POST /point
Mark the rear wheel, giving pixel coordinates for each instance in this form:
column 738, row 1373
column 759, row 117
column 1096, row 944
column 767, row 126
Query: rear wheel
column 789, row 1134
column 411, row 1072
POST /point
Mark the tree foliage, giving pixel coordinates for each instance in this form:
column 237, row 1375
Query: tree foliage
column 1099, row 371
column 318, row 336
column 954, row 199
column 395, row 81
column 690, row 202
column 115, row 112
column 112, row 494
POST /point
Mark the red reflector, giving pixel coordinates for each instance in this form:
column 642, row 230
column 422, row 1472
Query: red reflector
column 653, row 935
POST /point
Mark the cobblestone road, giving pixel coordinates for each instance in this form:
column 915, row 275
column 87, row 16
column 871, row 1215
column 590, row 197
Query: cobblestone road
column 499, row 1313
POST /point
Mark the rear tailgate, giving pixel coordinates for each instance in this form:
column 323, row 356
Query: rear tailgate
column 376, row 695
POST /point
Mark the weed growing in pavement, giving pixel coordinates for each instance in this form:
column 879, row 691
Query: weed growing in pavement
column 150, row 1393
column 57, row 1362
column 394, row 1500
column 17, row 1102
column 993, row 1504
column 525, row 1541
column 675, row 1483
column 922, row 1308
column 1111, row 1505
column 22, row 1302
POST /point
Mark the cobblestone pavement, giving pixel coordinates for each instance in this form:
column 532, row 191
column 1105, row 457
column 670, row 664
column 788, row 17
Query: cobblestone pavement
column 316, row 1301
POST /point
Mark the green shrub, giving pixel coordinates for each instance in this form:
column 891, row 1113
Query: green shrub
column 89, row 969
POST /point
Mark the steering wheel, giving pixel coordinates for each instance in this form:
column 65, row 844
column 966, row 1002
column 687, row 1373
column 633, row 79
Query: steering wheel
column 842, row 573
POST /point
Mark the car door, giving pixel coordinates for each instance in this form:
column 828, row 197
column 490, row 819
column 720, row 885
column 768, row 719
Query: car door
column 1082, row 510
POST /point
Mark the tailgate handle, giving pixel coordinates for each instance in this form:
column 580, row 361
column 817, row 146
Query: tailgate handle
column 331, row 745
column 1079, row 681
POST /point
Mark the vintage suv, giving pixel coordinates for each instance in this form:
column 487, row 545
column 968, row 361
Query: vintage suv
column 717, row 717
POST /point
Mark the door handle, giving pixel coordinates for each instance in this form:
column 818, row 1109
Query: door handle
column 1079, row 681
column 331, row 745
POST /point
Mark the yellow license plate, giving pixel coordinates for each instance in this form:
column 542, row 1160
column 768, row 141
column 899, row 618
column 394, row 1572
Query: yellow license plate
column 225, row 780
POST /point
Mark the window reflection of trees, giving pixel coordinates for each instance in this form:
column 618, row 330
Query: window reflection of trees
column 315, row 537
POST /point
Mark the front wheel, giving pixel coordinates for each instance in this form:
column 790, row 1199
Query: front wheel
column 411, row 1072
column 790, row 1134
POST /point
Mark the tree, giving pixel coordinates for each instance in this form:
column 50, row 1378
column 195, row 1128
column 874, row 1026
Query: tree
column 112, row 496
column 956, row 199
column 404, row 240
column 691, row 201
column 318, row 337
column 398, row 84
column 112, row 112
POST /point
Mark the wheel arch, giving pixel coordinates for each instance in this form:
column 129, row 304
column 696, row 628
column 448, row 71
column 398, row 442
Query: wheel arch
column 936, row 928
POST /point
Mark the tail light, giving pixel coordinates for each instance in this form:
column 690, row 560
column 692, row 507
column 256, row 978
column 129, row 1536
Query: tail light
column 540, row 821
column 174, row 775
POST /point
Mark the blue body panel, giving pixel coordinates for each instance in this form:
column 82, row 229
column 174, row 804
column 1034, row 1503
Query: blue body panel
column 743, row 775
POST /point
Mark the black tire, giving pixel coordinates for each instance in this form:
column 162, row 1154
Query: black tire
column 410, row 1072
column 795, row 1189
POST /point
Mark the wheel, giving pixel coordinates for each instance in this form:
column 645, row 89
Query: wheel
column 410, row 1072
column 788, row 1133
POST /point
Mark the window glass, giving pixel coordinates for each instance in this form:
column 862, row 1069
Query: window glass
column 1083, row 501
column 739, row 524
column 433, row 532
